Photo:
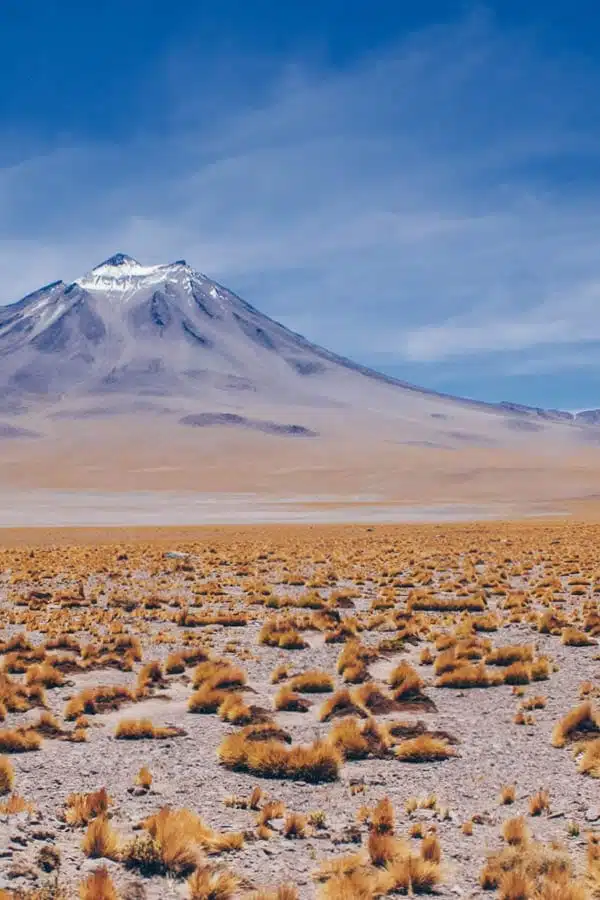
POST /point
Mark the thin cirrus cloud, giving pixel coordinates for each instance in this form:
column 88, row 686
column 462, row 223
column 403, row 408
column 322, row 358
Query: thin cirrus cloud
column 437, row 201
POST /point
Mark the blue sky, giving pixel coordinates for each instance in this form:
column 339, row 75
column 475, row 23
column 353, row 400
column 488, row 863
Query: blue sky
column 415, row 185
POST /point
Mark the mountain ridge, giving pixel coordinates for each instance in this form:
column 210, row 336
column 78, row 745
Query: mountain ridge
column 168, row 331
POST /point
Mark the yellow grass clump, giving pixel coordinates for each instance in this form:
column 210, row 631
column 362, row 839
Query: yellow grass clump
column 98, row 886
column 582, row 721
column 140, row 729
column 7, row 775
column 101, row 840
column 424, row 749
column 318, row 762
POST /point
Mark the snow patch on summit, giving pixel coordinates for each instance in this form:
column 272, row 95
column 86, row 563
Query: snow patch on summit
column 122, row 276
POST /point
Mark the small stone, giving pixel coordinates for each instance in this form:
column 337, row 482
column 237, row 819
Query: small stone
column 19, row 839
column 592, row 814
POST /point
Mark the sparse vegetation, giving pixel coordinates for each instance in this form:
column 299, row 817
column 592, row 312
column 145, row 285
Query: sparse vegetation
column 378, row 637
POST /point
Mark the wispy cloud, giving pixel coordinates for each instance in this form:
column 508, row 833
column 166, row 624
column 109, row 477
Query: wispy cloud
column 436, row 202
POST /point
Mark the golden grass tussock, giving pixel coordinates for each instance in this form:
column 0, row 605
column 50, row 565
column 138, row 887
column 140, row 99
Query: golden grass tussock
column 356, row 739
column 44, row 674
column 15, row 804
column 144, row 779
column 407, row 685
column 347, row 737
column 543, row 872
column 358, row 885
column 409, row 873
column 536, row 702
column 184, row 821
column 206, row 700
column 445, row 661
column 212, row 884
column 539, row 803
column 372, row 698
column 318, row 762
column 506, row 656
column 589, row 763
column 142, row 729
column 98, row 886
column 280, row 632
column 101, row 840
column 540, row 669
column 431, row 603
column 295, row 825
column 280, row 673
column 354, row 653
column 170, row 845
column 431, row 849
column 234, row 710
column 424, row 748
column 81, row 808
column 48, row 726
column 7, row 775
column 288, row 699
column 102, row 698
column 517, row 673
column 508, row 794
column 286, row 891
column 581, row 722
column 516, row 831
column 383, row 817
column 468, row 676
column 219, row 675
column 17, row 740
column 341, row 704
column 574, row 637
column 312, row 682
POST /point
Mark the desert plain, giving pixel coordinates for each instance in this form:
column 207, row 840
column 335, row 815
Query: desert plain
column 284, row 712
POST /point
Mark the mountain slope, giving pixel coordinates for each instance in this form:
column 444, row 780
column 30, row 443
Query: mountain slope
column 166, row 340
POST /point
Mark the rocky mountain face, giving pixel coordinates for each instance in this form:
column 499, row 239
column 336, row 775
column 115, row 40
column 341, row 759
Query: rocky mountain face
column 167, row 339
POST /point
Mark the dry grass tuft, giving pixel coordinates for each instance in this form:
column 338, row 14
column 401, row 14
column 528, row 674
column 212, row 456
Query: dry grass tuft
column 589, row 764
column 144, row 779
column 340, row 704
column 318, row 762
column 406, row 682
column 382, row 817
column 424, row 749
column 82, row 808
column 313, row 682
column 212, row 884
column 287, row 699
column 581, row 722
column 573, row 637
column 515, row 831
column 16, row 740
column 295, row 826
column 539, row 803
column 141, row 729
column 508, row 794
column 98, row 886
column 7, row 775
column 101, row 840
column 468, row 676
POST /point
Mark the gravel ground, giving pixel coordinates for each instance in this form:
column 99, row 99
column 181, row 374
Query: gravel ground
column 492, row 750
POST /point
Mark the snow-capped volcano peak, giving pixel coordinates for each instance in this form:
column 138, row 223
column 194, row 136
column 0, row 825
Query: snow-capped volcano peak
column 123, row 274
column 130, row 330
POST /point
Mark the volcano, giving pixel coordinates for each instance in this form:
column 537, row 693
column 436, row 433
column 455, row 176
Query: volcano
column 159, row 369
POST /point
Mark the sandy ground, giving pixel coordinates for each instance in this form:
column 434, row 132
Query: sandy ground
column 137, row 475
